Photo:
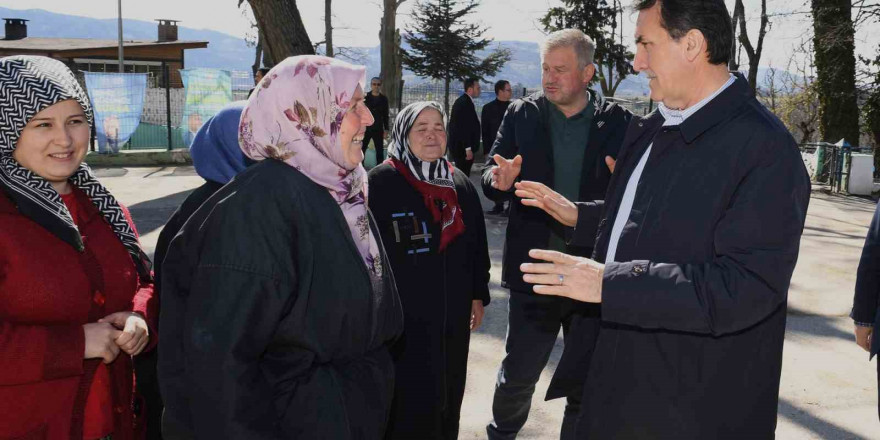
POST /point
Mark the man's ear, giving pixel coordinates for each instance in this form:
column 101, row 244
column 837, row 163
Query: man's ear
column 589, row 71
column 694, row 45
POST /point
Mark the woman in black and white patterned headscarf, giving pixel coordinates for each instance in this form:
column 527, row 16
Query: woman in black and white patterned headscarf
column 75, row 285
column 432, row 227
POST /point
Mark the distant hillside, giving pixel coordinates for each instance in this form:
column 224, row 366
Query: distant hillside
column 229, row 52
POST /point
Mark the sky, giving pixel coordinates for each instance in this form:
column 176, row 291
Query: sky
column 357, row 21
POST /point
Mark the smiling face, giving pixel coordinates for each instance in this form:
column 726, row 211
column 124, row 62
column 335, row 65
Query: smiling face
column 54, row 143
column 663, row 59
column 351, row 132
column 563, row 81
column 427, row 138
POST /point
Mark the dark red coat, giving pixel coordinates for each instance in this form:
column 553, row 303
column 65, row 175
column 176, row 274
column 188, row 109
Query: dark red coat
column 45, row 298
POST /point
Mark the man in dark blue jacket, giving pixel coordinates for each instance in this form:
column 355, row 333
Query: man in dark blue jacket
column 698, row 238
column 865, row 310
column 560, row 137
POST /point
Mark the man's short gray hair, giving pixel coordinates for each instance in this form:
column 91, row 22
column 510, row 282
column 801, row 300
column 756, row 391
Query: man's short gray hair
column 583, row 46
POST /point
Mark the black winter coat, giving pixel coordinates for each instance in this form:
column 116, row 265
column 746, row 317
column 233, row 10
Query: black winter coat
column 464, row 128
column 525, row 131
column 274, row 327
column 436, row 291
column 689, row 345
column 145, row 363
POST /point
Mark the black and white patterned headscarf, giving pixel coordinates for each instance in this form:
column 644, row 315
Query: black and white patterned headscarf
column 28, row 85
column 435, row 173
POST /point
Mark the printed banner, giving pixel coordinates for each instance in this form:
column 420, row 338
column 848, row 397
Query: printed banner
column 207, row 91
column 118, row 101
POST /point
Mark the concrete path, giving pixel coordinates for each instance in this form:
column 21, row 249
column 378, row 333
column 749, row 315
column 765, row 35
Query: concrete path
column 828, row 391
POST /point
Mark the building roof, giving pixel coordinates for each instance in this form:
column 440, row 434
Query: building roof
column 39, row 44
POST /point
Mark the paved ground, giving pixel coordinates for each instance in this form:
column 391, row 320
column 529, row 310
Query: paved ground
column 829, row 389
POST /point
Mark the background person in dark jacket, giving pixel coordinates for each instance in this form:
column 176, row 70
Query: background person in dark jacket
column 544, row 138
column 440, row 258
column 490, row 121
column 217, row 158
column 865, row 310
column 378, row 105
column 699, row 237
column 277, row 296
column 464, row 127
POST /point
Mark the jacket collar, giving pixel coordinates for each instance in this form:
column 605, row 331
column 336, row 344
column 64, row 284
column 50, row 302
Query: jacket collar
column 717, row 110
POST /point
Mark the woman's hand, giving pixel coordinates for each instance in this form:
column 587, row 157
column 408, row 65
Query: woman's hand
column 476, row 314
column 134, row 335
column 577, row 278
column 101, row 341
column 538, row 195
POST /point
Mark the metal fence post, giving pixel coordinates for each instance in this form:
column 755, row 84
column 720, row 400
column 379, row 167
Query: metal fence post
column 167, row 78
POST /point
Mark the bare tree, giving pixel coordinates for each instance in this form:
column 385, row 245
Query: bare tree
column 391, row 61
column 753, row 52
column 798, row 107
column 771, row 93
column 281, row 27
column 328, row 29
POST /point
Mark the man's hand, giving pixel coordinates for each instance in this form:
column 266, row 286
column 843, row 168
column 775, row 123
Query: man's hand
column 135, row 334
column 469, row 154
column 610, row 163
column 476, row 314
column 506, row 172
column 538, row 195
column 863, row 336
column 577, row 278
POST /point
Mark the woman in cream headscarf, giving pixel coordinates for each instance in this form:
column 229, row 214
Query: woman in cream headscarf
column 277, row 301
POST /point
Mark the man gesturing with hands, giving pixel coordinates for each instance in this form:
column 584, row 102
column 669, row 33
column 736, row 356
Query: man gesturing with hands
column 559, row 137
column 697, row 240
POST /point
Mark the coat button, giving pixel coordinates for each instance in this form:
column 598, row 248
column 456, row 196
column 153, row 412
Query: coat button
column 641, row 124
column 119, row 409
column 98, row 298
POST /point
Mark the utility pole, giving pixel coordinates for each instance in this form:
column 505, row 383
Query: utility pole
column 121, row 64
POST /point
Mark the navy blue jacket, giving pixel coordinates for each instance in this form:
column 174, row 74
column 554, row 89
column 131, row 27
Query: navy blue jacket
column 689, row 341
column 865, row 309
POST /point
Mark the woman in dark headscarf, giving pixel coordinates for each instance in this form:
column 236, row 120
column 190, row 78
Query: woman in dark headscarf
column 277, row 301
column 431, row 221
column 75, row 286
column 217, row 158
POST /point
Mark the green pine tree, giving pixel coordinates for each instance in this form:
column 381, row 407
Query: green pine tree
column 443, row 46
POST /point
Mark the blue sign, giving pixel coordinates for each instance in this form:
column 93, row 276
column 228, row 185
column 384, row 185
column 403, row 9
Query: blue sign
column 118, row 101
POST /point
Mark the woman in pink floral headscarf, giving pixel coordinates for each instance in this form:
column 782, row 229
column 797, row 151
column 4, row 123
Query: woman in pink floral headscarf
column 277, row 296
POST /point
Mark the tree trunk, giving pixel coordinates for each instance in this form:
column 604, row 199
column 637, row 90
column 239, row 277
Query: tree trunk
column 834, row 46
column 328, row 28
column 753, row 52
column 258, row 53
column 281, row 25
column 389, row 41
column 446, row 97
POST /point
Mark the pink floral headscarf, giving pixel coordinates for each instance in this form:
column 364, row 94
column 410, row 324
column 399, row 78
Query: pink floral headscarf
column 294, row 116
